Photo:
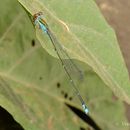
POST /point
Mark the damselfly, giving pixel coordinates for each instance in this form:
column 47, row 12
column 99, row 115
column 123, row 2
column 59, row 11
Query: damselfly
column 67, row 63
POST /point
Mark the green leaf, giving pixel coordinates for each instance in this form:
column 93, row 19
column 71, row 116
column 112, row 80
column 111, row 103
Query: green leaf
column 80, row 27
column 29, row 75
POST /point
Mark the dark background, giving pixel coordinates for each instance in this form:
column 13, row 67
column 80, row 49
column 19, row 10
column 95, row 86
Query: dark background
column 117, row 14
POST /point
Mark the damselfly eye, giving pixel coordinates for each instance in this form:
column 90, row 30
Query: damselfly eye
column 35, row 17
column 40, row 13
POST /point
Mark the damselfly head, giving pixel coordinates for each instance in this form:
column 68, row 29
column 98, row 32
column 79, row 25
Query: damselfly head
column 39, row 18
column 35, row 16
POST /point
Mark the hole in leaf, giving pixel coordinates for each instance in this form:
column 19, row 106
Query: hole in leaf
column 65, row 95
column 70, row 98
column 33, row 42
column 58, row 85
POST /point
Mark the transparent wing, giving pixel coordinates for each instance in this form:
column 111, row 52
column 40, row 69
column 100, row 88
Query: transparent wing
column 69, row 67
column 74, row 71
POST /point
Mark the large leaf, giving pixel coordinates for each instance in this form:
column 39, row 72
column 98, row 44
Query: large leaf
column 80, row 27
column 29, row 77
